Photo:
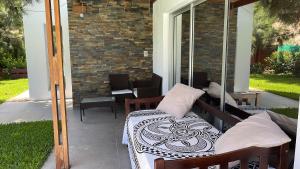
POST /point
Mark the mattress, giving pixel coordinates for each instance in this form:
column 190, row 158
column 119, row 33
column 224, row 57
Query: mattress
column 152, row 134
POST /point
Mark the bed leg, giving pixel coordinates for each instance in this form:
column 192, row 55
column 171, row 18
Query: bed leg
column 127, row 107
column 159, row 163
column 283, row 157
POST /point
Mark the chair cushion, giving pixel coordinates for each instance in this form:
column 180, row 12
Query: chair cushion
column 214, row 90
column 120, row 92
column 97, row 99
column 135, row 92
column 179, row 100
column 257, row 130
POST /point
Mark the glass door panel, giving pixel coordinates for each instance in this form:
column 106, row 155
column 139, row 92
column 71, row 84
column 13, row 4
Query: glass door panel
column 208, row 44
column 181, row 48
column 200, row 47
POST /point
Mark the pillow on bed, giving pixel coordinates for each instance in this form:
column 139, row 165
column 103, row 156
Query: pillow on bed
column 258, row 130
column 179, row 100
column 214, row 90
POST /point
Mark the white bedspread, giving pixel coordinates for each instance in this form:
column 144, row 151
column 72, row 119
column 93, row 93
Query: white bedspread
column 151, row 134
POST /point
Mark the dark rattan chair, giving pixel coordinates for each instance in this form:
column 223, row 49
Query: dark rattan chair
column 119, row 84
column 200, row 80
column 148, row 88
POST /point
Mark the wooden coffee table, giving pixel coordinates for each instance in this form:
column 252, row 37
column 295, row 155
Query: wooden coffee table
column 108, row 101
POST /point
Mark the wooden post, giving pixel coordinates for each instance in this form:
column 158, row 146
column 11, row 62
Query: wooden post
column 57, row 85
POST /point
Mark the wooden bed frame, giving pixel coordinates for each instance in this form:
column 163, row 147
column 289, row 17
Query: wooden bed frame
column 277, row 156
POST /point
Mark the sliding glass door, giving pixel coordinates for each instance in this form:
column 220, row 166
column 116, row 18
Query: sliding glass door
column 200, row 46
column 208, row 44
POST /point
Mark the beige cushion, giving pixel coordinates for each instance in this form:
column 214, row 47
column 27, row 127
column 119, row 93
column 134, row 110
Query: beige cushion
column 135, row 92
column 179, row 100
column 214, row 90
column 258, row 130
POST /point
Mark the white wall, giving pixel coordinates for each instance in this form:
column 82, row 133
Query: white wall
column 162, row 38
column 34, row 21
column 243, row 48
column 297, row 153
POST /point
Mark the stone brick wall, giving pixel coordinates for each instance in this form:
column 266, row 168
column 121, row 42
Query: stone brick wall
column 109, row 40
column 209, row 22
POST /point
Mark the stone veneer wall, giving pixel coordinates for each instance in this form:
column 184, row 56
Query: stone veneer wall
column 209, row 22
column 109, row 40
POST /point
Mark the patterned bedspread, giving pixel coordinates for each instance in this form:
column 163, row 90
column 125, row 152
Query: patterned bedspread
column 151, row 134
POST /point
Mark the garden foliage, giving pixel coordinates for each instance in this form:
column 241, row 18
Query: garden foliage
column 12, row 52
column 282, row 62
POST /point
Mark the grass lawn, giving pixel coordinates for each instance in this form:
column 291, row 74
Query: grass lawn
column 289, row 112
column 11, row 88
column 283, row 85
column 25, row 145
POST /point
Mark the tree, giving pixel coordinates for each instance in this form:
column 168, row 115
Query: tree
column 271, row 28
column 11, row 31
column 287, row 11
column 264, row 34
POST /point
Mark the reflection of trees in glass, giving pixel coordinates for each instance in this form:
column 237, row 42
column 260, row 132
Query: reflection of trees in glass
column 264, row 34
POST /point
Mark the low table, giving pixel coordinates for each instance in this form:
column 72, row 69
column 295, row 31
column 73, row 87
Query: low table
column 86, row 103
column 241, row 96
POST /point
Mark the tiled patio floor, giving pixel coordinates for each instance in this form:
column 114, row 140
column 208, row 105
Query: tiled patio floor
column 19, row 111
column 270, row 100
column 96, row 142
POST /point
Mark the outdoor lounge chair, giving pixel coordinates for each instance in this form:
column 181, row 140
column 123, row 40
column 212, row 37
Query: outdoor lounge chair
column 200, row 80
column 148, row 88
column 120, row 84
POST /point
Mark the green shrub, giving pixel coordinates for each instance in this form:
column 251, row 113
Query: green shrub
column 12, row 55
column 257, row 68
column 297, row 68
column 8, row 62
column 282, row 62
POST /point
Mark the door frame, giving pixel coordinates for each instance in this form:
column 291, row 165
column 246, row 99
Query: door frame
column 172, row 24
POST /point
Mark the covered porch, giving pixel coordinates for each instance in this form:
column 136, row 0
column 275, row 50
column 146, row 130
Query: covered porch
column 96, row 142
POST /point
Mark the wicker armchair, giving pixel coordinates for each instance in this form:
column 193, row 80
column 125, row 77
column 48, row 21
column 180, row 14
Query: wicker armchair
column 120, row 84
column 148, row 88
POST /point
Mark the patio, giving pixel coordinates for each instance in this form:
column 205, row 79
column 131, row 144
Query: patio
column 95, row 143
column 95, row 49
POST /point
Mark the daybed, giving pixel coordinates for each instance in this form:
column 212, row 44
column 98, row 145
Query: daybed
column 157, row 141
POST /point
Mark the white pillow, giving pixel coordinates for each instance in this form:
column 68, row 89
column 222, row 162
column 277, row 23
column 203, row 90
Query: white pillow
column 258, row 130
column 214, row 90
column 179, row 100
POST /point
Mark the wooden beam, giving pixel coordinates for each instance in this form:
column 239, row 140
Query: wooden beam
column 55, row 58
column 240, row 3
column 61, row 82
column 234, row 3
column 152, row 1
